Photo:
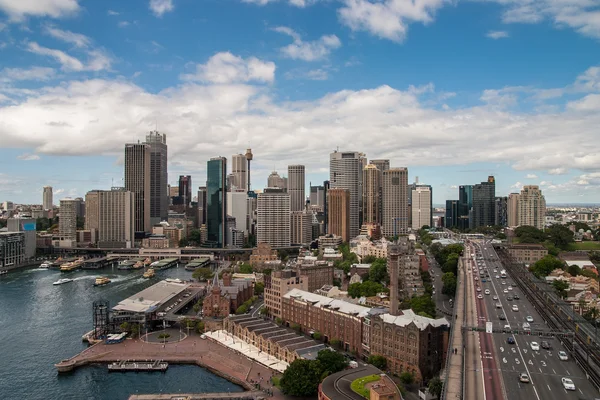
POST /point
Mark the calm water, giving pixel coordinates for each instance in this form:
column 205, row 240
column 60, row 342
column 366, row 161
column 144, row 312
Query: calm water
column 41, row 324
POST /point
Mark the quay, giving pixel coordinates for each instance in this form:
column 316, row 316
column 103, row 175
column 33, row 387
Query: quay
column 200, row 262
column 138, row 366
column 164, row 264
column 254, row 395
column 98, row 262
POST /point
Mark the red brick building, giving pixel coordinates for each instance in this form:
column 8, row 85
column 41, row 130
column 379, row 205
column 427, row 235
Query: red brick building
column 226, row 296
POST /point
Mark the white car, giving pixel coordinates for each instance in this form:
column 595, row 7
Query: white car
column 495, row 270
column 535, row 346
column 504, row 282
column 529, row 318
column 495, row 297
column 505, row 290
column 498, row 305
column 479, row 289
column 562, row 356
column 479, row 296
column 515, row 307
column 487, row 291
column 568, row 384
column 497, row 276
column 509, row 288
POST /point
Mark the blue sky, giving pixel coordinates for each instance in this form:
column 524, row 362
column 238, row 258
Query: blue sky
column 454, row 90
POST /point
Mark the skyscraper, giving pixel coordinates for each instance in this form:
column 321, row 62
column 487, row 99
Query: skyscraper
column 465, row 205
column 501, row 207
column 317, row 198
column 484, row 207
column 112, row 214
column 451, row 219
column 276, row 181
column 381, row 165
column 296, row 187
column 137, row 180
column 47, row 198
column 202, row 206
column 301, row 227
column 371, row 195
column 67, row 223
column 273, row 217
column 345, row 172
column 338, row 213
column 421, row 207
column 239, row 169
column 216, row 212
column 412, row 187
column 394, row 219
column 513, row 210
column 185, row 189
column 532, row 207
column 159, row 195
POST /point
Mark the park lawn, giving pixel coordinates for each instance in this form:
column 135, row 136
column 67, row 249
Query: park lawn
column 585, row 245
column 358, row 385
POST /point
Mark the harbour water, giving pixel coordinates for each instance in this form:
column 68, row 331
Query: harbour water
column 41, row 324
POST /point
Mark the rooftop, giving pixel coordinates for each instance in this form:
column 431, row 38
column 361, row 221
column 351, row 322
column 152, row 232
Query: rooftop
column 327, row 302
column 409, row 316
column 150, row 298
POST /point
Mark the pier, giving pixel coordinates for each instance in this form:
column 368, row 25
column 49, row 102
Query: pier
column 198, row 263
column 164, row 264
column 98, row 262
column 255, row 395
column 138, row 366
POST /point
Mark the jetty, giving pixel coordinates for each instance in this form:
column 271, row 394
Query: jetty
column 254, row 395
column 164, row 264
column 98, row 262
column 138, row 366
column 200, row 262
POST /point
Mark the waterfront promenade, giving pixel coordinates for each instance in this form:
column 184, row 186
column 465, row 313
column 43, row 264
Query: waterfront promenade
column 192, row 350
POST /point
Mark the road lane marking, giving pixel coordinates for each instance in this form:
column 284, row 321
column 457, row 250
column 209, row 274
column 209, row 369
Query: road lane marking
column 554, row 371
column 549, row 388
column 568, row 373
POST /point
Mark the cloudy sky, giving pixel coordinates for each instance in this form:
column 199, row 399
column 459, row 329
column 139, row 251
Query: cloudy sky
column 455, row 90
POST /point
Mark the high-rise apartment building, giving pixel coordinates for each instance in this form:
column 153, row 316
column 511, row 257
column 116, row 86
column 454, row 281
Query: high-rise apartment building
column 237, row 207
column 465, row 206
column 532, row 207
column 412, row 187
column 276, row 181
column 301, row 227
column 202, row 206
column 92, row 210
column 345, row 172
column 317, row 198
column 47, row 198
column 185, row 189
column 111, row 213
column 296, row 187
column 273, row 217
column 239, row 170
column 137, row 180
column 67, row 223
column 484, row 206
column 451, row 218
column 159, row 178
column 371, row 195
column 394, row 219
column 421, row 207
column 338, row 213
column 382, row 165
column 501, row 207
column 512, row 209
column 216, row 202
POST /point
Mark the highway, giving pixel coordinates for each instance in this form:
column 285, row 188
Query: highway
column 543, row 367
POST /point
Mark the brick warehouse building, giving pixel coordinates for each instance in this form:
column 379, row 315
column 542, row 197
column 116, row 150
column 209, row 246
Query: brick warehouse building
column 224, row 298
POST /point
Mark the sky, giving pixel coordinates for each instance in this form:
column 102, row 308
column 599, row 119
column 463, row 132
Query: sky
column 455, row 90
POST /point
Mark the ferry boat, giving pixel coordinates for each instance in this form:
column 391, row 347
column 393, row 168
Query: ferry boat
column 102, row 280
column 45, row 265
column 138, row 265
column 149, row 273
column 126, row 264
column 72, row 266
column 61, row 281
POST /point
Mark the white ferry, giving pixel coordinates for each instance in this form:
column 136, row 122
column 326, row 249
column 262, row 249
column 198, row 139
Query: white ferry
column 45, row 265
column 61, row 281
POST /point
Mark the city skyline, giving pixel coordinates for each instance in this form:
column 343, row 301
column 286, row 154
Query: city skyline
column 511, row 92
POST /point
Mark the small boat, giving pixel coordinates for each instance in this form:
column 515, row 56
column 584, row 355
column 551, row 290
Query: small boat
column 3, row 272
column 61, row 281
column 149, row 273
column 102, row 280
column 45, row 265
column 126, row 265
column 138, row 265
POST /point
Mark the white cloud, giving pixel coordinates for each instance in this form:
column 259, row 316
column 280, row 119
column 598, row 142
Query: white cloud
column 113, row 13
column 497, row 34
column 517, row 186
column 454, row 187
column 28, row 157
column 159, row 7
column 97, row 59
column 318, row 74
column 123, row 24
column 77, row 39
column 224, row 67
column 297, row 3
column 308, row 51
column 2, row 26
column 387, row 19
column 29, row 74
column 557, row 171
column 531, row 176
column 17, row 10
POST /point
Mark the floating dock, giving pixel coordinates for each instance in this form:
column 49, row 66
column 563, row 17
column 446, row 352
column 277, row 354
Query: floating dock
column 164, row 264
column 138, row 366
column 98, row 262
column 200, row 262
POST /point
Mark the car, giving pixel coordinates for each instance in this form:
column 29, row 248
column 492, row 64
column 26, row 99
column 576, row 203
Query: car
column 495, row 297
column 516, row 297
column 495, row 270
column 479, row 296
column 523, row 377
column 545, row 345
column 505, row 290
column 498, row 305
column 502, row 317
column 510, row 340
column 535, row 346
column 509, row 298
column 509, row 288
column 497, row 276
column 487, row 291
column 203, row 336
column 568, row 384
column 526, row 326
column 476, row 278
column 515, row 307
column 479, row 289
column 529, row 318
column 562, row 356
column 483, row 280
column 504, row 282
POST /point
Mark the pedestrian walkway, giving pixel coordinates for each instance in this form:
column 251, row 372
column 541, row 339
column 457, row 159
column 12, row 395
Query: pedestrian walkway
column 453, row 379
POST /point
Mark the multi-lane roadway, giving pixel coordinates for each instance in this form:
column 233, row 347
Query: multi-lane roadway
column 543, row 367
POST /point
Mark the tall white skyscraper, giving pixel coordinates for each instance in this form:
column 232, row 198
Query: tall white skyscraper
column 239, row 170
column 296, row 187
column 421, row 207
column 345, row 172
column 273, row 217
column 394, row 219
column 532, row 207
column 67, row 222
column 47, row 198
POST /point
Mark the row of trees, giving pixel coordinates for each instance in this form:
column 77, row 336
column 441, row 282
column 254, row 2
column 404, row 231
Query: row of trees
column 447, row 257
column 302, row 377
column 245, row 307
column 375, row 283
column 555, row 238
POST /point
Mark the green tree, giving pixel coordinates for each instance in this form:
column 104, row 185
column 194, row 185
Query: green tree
column 423, row 304
column 317, row 335
column 378, row 271
column 560, row 236
column 529, row 234
column 259, row 288
column 407, row 378
column 451, row 264
column 301, row 378
column 378, row 362
column 194, row 237
column 369, row 288
column 369, row 259
column 202, row 274
column 594, row 257
column 354, row 290
column 561, row 287
column 125, row 327
column 135, row 330
column 200, row 327
column 449, row 284
column 243, row 309
column 331, row 361
column 574, row 270
column 436, row 386
column 335, row 343
column 545, row 265
column 246, row 269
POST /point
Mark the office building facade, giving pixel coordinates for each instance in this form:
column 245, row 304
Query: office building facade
column 512, row 209
column 159, row 178
column 301, row 227
column 273, row 217
column 317, row 198
column 338, row 213
column 501, row 206
column 451, row 216
column 216, row 202
column 67, row 223
column 47, row 198
column 484, row 206
column 532, row 207
column 296, row 189
column 137, row 180
column 185, row 189
column 465, row 206
column 394, row 219
column 421, row 207
column 239, row 170
column 276, row 181
column 111, row 214
column 345, row 172
column 371, row 195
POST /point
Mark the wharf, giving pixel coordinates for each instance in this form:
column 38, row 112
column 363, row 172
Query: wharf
column 198, row 263
column 254, row 395
column 164, row 264
column 138, row 366
column 98, row 262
